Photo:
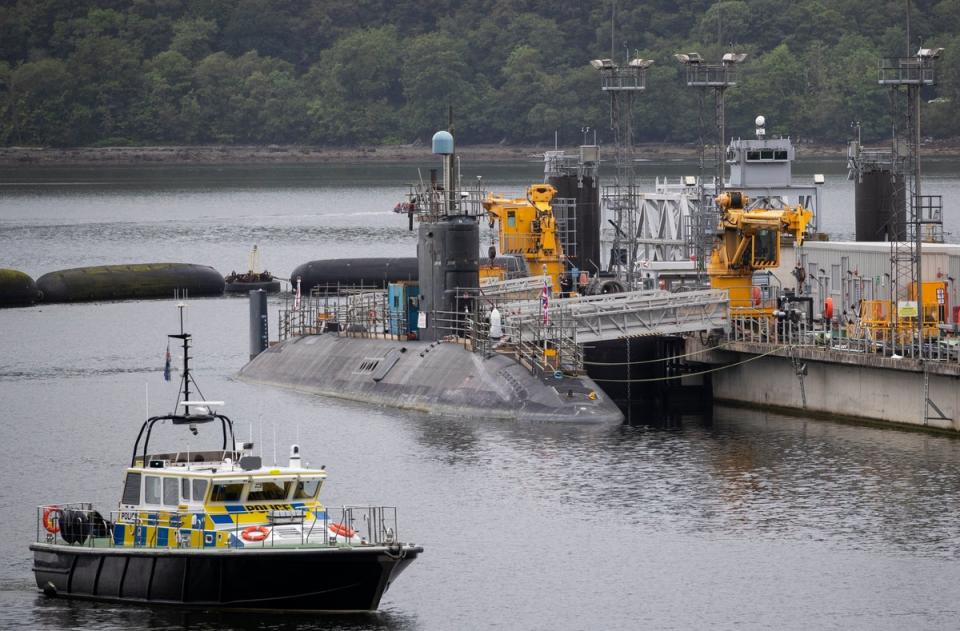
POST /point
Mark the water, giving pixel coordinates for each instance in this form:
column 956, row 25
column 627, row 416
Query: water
column 752, row 520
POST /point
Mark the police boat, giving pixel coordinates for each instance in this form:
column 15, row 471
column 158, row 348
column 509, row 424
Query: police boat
column 219, row 529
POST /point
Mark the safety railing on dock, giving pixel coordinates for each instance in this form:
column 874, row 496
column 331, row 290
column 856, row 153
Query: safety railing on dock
column 852, row 337
column 78, row 524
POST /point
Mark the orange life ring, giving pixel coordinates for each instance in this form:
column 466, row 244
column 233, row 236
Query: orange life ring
column 828, row 308
column 48, row 522
column 255, row 533
column 343, row 530
column 756, row 295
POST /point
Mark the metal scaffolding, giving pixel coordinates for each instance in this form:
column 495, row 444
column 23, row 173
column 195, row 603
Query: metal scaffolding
column 924, row 213
column 622, row 83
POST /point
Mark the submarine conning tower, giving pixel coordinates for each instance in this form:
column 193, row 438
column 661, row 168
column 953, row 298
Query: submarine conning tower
column 448, row 247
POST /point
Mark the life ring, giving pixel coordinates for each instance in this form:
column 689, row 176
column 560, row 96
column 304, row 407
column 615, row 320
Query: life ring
column 828, row 308
column 342, row 530
column 255, row 533
column 756, row 294
column 49, row 513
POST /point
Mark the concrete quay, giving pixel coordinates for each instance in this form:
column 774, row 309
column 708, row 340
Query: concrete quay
column 836, row 384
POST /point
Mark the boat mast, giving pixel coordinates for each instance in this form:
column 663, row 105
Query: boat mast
column 185, row 378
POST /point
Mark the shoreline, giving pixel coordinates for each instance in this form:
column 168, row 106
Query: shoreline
column 303, row 154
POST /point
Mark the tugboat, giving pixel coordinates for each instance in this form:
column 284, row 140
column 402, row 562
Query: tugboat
column 219, row 529
column 251, row 279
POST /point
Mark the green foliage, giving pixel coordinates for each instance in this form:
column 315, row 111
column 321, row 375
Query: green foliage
column 75, row 72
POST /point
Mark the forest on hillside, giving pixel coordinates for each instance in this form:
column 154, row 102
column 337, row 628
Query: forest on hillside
column 335, row 73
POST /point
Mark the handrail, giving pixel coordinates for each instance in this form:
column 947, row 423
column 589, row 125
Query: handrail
column 78, row 524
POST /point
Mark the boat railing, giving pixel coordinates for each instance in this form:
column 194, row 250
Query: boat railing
column 78, row 524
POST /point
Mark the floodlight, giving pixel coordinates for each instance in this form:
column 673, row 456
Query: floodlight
column 818, row 178
column 600, row 64
column 930, row 53
column 688, row 58
column 640, row 63
column 733, row 58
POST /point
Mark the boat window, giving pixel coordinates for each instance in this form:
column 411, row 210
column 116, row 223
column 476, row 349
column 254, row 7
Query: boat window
column 151, row 490
column 185, row 489
column 199, row 489
column 267, row 490
column 780, row 155
column 171, row 494
column 753, row 155
column 307, row 489
column 227, row 491
column 131, row 489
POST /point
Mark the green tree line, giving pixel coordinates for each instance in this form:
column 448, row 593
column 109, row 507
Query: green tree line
column 328, row 72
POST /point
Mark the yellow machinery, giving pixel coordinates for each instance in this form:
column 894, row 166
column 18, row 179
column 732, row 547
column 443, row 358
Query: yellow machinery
column 749, row 240
column 883, row 319
column 529, row 228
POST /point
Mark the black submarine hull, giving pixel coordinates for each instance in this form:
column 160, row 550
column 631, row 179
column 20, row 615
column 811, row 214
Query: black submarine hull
column 377, row 273
column 139, row 280
column 368, row 272
column 320, row 579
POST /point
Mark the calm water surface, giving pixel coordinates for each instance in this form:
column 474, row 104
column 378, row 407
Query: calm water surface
column 748, row 520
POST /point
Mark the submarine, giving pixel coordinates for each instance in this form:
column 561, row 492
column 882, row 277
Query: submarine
column 434, row 345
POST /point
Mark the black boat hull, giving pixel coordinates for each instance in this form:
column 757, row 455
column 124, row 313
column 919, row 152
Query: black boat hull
column 311, row 579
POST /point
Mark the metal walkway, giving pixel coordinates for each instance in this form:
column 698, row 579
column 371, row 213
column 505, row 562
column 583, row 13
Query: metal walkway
column 616, row 316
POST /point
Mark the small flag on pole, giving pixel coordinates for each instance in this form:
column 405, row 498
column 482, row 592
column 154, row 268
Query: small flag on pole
column 166, row 364
column 296, row 298
column 545, row 302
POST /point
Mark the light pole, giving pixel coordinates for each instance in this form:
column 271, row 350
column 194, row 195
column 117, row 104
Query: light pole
column 718, row 77
column 622, row 82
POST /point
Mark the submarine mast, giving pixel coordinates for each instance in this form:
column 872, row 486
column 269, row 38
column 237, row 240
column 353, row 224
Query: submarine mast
column 448, row 246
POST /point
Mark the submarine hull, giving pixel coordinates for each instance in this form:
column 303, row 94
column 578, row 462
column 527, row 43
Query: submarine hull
column 17, row 289
column 368, row 272
column 378, row 272
column 141, row 280
column 436, row 378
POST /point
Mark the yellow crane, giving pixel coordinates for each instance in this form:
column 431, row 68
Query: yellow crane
column 528, row 228
column 749, row 240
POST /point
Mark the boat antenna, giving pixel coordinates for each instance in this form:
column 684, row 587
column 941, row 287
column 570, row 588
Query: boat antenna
column 186, row 378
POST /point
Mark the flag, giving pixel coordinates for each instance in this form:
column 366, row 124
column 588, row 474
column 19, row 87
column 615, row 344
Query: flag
column 545, row 301
column 166, row 364
column 296, row 298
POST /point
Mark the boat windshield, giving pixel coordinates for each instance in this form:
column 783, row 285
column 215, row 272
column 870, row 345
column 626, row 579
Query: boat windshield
column 307, row 488
column 269, row 490
column 227, row 491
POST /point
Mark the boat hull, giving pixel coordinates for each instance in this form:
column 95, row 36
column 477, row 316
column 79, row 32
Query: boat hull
column 241, row 287
column 303, row 579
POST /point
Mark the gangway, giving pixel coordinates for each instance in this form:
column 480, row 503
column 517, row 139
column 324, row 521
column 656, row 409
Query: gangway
column 629, row 314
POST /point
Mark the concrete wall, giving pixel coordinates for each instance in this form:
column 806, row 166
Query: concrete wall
column 874, row 390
